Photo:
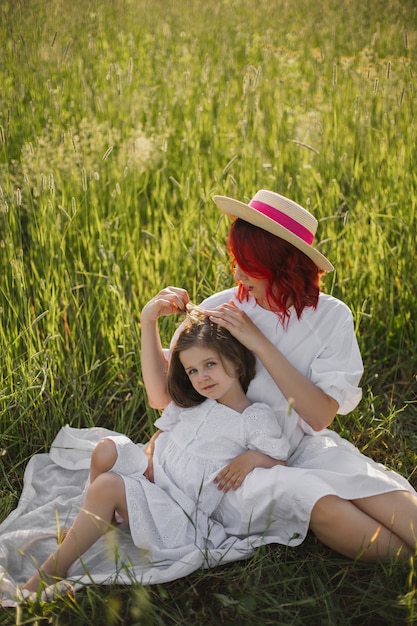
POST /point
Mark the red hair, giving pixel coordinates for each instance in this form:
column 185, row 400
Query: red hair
column 292, row 276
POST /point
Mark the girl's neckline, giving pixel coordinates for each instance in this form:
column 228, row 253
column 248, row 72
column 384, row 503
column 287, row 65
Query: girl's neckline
column 241, row 411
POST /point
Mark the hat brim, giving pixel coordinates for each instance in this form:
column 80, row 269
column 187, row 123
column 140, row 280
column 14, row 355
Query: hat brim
column 235, row 209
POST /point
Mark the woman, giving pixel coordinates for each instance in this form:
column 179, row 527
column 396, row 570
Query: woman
column 308, row 361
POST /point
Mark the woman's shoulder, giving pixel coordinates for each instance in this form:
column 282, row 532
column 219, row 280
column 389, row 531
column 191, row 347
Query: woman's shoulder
column 219, row 298
column 331, row 316
column 331, row 305
column 327, row 299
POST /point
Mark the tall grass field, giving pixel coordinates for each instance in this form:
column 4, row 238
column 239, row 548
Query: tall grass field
column 119, row 120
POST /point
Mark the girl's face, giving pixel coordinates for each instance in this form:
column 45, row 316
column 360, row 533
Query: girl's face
column 256, row 287
column 208, row 376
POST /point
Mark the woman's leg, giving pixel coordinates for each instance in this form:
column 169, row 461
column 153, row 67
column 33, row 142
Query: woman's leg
column 353, row 532
column 104, row 496
column 396, row 510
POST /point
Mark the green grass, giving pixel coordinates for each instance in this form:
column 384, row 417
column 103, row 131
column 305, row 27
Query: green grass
column 118, row 122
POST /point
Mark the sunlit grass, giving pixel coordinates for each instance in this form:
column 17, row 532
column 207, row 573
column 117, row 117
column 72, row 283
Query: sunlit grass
column 118, row 122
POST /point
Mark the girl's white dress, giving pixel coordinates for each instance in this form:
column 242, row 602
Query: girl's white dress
column 170, row 517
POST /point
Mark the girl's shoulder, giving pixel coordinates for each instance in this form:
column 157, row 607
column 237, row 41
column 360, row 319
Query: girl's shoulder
column 258, row 409
column 259, row 417
column 173, row 414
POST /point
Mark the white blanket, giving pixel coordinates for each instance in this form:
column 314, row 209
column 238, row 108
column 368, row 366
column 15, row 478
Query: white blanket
column 51, row 498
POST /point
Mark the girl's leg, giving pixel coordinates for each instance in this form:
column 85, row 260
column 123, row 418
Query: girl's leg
column 103, row 457
column 345, row 528
column 104, row 496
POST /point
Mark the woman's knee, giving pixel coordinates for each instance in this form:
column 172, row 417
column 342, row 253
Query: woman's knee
column 104, row 456
column 325, row 512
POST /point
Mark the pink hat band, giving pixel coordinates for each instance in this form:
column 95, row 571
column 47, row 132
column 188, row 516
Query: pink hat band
column 281, row 217
column 283, row 220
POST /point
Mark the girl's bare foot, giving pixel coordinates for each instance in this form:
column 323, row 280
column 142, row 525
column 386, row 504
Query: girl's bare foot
column 39, row 580
column 62, row 534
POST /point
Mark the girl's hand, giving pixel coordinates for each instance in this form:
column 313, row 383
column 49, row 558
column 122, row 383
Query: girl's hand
column 237, row 323
column 233, row 475
column 168, row 301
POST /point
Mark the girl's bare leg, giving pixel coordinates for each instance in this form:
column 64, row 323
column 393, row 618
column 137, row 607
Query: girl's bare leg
column 104, row 496
column 103, row 457
column 347, row 529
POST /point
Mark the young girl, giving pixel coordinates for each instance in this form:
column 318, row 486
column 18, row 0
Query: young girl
column 306, row 352
column 213, row 436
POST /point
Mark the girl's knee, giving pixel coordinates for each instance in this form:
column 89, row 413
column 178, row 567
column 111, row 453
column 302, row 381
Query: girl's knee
column 104, row 456
column 107, row 483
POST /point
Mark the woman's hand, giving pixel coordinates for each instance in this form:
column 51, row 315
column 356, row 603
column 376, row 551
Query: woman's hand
column 168, row 301
column 233, row 475
column 238, row 323
column 149, row 450
column 316, row 407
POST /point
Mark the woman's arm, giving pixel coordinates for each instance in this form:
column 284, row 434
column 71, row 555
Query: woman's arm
column 149, row 450
column 311, row 403
column 169, row 301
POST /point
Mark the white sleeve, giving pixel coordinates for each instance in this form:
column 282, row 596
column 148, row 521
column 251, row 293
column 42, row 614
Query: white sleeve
column 264, row 432
column 338, row 368
column 169, row 417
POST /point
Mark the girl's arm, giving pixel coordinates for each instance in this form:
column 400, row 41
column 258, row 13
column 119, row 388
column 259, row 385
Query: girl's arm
column 233, row 475
column 169, row 301
column 311, row 403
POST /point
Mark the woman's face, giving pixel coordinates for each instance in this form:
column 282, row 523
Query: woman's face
column 256, row 287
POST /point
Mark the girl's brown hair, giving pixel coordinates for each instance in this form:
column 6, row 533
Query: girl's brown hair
column 292, row 276
column 199, row 330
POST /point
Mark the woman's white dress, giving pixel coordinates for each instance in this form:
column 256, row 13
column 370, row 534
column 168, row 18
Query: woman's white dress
column 170, row 517
column 278, row 502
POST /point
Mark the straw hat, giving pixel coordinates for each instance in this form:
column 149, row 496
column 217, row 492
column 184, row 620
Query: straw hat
column 279, row 216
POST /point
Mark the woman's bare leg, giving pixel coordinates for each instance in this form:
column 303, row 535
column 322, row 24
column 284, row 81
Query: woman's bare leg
column 345, row 528
column 396, row 510
column 104, row 496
